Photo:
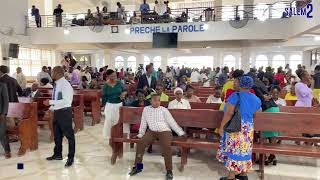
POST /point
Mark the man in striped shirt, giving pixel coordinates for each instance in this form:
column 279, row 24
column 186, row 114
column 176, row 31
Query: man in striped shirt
column 159, row 122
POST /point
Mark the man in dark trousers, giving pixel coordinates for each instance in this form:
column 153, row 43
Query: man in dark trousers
column 147, row 81
column 35, row 12
column 4, row 105
column 60, row 104
column 58, row 13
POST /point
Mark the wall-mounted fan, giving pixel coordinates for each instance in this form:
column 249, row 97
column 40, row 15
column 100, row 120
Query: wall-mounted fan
column 95, row 25
column 238, row 23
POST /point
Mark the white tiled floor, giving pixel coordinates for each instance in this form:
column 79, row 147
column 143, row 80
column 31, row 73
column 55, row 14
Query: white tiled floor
column 93, row 162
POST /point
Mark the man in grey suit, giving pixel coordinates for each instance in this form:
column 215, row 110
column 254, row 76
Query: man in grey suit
column 4, row 105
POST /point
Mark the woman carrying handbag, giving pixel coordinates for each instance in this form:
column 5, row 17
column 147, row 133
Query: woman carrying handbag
column 237, row 131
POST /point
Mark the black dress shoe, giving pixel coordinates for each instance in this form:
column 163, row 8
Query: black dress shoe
column 135, row 171
column 241, row 177
column 54, row 157
column 69, row 163
column 226, row 178
column 169, row 175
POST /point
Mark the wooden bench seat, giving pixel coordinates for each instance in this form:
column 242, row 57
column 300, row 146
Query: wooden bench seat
column 280, row 122
column 27, row 125
column 92, row 103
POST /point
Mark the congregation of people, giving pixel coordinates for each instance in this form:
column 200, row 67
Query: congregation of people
column 257, row 90
column 161, row 12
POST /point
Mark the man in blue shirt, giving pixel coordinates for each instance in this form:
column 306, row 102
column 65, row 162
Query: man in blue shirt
column 144, row 8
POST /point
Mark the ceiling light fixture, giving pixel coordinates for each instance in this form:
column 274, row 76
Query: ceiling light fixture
column 317, row 38
column 66, row 31
column 205, row 26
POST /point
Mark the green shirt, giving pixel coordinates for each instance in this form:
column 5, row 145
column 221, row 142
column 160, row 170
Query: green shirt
column 112, row 94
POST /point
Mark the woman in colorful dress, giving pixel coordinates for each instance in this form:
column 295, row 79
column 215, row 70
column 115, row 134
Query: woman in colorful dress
column 236, row 148
column 112, row 95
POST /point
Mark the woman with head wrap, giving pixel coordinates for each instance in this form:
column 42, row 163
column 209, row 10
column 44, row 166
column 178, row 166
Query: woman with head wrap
column 236, row 148
column 179, row 102
column 112, row 95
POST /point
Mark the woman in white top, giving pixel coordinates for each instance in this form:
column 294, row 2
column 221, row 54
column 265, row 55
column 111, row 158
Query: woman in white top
column 205, row 79
column 275, row 95
column 179, row 102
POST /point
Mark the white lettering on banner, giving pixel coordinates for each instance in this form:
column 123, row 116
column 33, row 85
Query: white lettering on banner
column 167, row 29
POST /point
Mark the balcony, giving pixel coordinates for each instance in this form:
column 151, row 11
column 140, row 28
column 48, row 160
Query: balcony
column 260, row 22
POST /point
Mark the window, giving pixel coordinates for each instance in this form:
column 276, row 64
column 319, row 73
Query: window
column 261, row 61
column 119, row 62
column 278, row 60
column 146, row 61
column 229, row 61
column 277, row 9
column 132, row 63
column 191, row 61
column 157, row 62
column 228, row 13
column 261, row 11
column 31, row 61
column 294, row 61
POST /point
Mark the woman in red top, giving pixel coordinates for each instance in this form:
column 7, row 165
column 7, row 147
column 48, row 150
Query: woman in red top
column 236, row 88
column 280, row 77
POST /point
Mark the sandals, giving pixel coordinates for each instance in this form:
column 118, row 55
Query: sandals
column 271, row 159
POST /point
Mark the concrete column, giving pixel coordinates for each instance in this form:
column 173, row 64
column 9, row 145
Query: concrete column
column 140, row 58
column 108, row 59
column 218, row 9
column 245, row 59
column 306, row 60
column 217, row 59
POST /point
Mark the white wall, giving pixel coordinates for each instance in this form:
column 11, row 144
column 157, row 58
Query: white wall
column 217, row 31
column 12, row 14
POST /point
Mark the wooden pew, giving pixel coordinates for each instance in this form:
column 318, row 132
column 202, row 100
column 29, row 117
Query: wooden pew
column 78, row 112
column 213, row 106
column 203, row 99
column 290, row 102
column 280, row 122
column 27, row 126
column 92, row 103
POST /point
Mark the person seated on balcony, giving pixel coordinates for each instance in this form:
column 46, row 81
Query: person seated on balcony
column 104, row 10
column 144, row 7
column 183, row 17
column 120, row 11
column 160, row 8
column 89, row 15
column 134, row 19
column 168, row 9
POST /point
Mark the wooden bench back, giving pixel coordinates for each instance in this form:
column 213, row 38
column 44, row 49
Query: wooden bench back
column 186, row 118
column 290, row 102
column 292, row 109
column 288, row 122
column 203, row 99
column 78, row 100
column 20, row 110
column 194, row 105
column 281, row 122
column 90, row 94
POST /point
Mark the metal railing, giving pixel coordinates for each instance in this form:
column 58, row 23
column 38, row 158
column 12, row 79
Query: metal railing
column 198, row 14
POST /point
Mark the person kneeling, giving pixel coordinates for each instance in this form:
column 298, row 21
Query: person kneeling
column 160, row 122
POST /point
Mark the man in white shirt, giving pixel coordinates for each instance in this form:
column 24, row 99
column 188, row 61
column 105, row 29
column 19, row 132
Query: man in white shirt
column 60, row 104
column 159, row 122
column 195, row 76
column 43, row 74
column 87, row 75
column 179, row 102
column 20, row 77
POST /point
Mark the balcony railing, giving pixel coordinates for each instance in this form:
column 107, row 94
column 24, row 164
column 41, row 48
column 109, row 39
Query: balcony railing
column 199, row 14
